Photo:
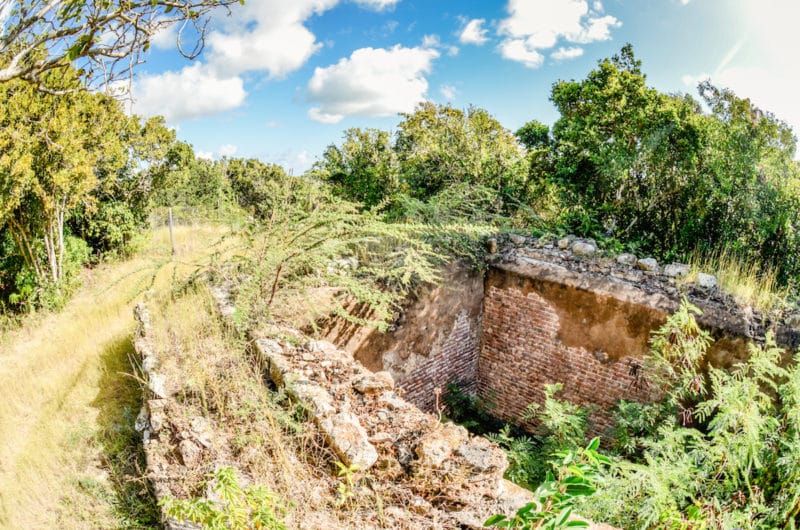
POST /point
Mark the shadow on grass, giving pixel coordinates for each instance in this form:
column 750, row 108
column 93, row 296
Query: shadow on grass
column 118, row 402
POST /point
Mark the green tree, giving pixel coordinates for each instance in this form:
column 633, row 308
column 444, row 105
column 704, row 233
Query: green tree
column 57, row 141
column 439, row 146
column 364, row 168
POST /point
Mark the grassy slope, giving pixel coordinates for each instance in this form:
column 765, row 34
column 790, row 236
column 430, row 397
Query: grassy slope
column 68, row 454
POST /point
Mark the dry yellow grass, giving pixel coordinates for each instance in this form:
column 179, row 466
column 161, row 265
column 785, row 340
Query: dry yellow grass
column 749, row 283
column 68, row 403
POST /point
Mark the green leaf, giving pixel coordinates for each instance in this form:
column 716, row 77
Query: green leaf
column 494, row 519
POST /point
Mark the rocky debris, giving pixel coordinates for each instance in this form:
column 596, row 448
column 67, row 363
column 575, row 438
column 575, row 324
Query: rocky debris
column 411, row 451
column 481, row 455
column 706, row 281
column 436, row 446
column 190, row 453
column 647, row 264
column 627, row 259
column 584, row 248
column 517, row 239
column 676, row 270
column 349, row 440
column 374, row 383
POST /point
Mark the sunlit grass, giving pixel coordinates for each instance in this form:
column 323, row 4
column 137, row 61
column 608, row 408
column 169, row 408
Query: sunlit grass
column 66, row 452
column 749, row 283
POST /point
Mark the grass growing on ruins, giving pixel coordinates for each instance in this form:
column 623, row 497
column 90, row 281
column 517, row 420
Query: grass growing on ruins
column 70, row 457
column 750, row 283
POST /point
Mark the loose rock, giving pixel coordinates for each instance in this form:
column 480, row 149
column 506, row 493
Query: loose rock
column 706, row 281
column 563, row 243
column 676, row 270
column 580, row 248
column 436, row 446
column 517, row 239
column 626, row 259
column 647, row 264
column 374, row 383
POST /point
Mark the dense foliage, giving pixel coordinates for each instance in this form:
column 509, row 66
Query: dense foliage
column 624, row 162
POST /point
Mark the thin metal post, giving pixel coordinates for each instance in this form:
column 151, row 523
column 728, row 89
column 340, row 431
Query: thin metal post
column 171, row 235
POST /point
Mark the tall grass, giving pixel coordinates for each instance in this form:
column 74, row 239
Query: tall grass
column 750, row 283
column 68, row 454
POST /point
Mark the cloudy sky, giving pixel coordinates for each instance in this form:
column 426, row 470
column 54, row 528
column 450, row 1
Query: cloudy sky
column 281, row 79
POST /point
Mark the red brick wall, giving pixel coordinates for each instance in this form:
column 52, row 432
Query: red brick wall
column 523, row 348
column 455, row 360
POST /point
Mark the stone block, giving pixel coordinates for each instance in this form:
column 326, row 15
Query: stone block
column 676, row 270
column 647, row 264
column 627, row 259
column 349, row 440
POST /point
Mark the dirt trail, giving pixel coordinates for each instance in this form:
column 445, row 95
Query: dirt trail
column 68, row 453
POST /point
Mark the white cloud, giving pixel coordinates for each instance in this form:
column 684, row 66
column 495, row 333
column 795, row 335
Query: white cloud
column 597, row 29
column 377, row 5
column 562, row 53
column 534, row 25
column 227, row 150
column 205, row 155
column 433, row 41
column 194, row 91
column 448, row 92
column 266, row 36
column 519, row 50
column 166, row 38
column 371, row 82
column 473, row 32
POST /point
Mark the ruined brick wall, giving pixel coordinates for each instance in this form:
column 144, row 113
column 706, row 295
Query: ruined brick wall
column 455, row 360
column 537, row 332
column 434, row 341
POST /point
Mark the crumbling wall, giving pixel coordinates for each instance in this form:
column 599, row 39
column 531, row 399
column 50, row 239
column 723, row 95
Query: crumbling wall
column 434, row 341
column 555, row 314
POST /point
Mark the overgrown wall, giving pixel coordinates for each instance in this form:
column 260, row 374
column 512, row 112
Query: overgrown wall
column 434, row 341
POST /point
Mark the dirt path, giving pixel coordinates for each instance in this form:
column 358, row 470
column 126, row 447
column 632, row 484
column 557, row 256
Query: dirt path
column 69, row 457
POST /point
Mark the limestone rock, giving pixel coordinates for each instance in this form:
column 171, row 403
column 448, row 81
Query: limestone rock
column 321, row 346
column 313, row 396
column 190, row 453
column 647, row 264
column 563, row 243
column 517, row 239
column 581, row 248
column 436, row 446
column 349, row 440
column 374, row 383
column 157, row 385
column 706, row 281
column 482, row 455
column 627, row 259
column 676, row 270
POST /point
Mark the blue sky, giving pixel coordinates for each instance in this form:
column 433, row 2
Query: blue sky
column 281, row 79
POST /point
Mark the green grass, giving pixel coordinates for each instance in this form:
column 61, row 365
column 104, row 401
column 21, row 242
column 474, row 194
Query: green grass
column 69, row 457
